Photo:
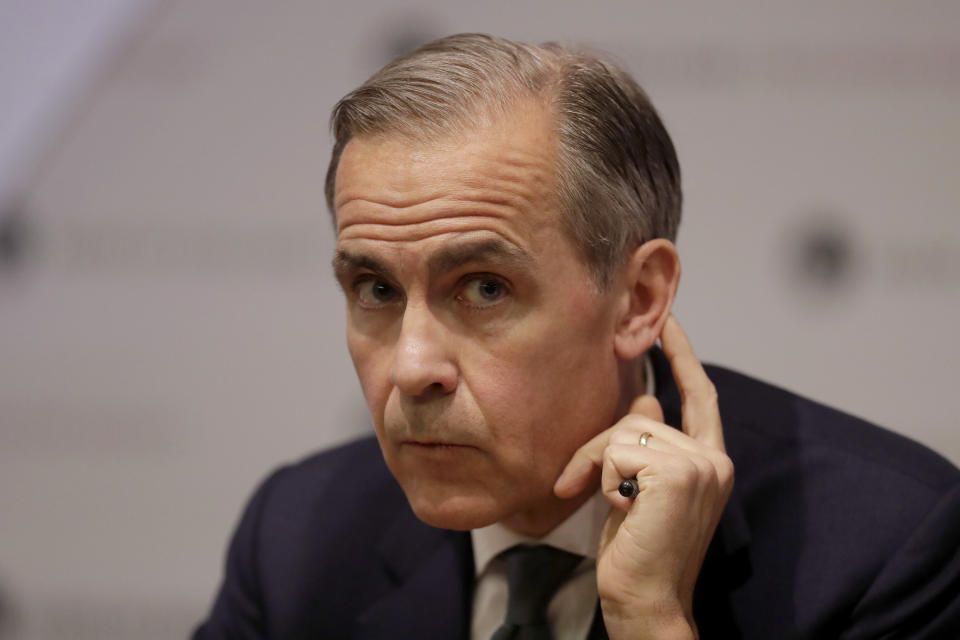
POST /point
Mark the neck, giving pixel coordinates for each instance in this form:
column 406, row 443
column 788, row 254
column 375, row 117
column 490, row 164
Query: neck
column 541, row 520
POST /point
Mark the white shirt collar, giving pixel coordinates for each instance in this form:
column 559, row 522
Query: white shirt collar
column 579, row 533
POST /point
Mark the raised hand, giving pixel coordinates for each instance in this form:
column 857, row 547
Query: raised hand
column 653, row 545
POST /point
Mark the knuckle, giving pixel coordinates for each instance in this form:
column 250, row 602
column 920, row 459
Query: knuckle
column 729, row 474
column 708, row 394
column 610, row 450
column 710, row 389
column 616, row 451
column 686, row 473
column 723, row 466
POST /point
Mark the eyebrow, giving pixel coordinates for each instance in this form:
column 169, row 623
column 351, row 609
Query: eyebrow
column 345, row 262
column 491, row 250
column 446, row 259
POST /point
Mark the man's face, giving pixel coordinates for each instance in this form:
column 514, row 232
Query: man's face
column 483, row 348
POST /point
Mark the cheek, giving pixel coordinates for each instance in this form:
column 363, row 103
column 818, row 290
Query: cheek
column 374, row 379
column 551, row 389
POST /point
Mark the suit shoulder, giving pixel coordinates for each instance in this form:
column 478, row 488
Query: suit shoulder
column 761, row 419
column 844, row 517
column 363, row 452
column 349, row 473
column 325, row 509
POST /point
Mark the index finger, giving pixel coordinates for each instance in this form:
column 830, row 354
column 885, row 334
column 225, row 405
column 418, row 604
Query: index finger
column 701, row 412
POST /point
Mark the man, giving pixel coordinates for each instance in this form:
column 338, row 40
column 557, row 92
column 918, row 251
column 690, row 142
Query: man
column 505, row 217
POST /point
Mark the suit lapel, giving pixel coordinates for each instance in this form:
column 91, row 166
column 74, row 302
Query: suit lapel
column 431, row 575
column 598, row 631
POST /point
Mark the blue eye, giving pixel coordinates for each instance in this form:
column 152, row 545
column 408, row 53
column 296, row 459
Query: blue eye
column 483, row 291
column 373, row 292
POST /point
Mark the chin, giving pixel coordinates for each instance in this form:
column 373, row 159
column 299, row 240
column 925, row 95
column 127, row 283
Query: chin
column 456, row 512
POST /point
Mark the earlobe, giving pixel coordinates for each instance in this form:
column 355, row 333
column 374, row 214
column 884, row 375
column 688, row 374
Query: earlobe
column 649, row 285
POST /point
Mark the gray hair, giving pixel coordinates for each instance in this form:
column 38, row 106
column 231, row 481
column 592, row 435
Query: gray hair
column 618, row 176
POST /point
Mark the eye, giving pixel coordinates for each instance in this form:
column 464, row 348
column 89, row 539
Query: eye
column 375, row 292
column 482, row 291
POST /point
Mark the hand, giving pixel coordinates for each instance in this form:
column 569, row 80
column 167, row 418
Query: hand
column 653, row 546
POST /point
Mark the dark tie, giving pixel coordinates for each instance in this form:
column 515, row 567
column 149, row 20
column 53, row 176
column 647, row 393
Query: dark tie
column 533, row 575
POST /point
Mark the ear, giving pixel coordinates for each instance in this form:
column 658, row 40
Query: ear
column 648, row 287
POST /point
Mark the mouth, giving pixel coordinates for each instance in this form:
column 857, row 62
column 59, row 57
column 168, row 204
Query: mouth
column 433, row 443
column 436, row 447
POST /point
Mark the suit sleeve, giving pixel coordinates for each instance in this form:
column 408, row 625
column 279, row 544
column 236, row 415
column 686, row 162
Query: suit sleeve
column 917, row 592
column 238, row 609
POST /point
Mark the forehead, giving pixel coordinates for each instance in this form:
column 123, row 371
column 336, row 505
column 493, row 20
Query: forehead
column 498, row 177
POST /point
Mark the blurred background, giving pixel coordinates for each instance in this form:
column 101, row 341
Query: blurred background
column 170, row 330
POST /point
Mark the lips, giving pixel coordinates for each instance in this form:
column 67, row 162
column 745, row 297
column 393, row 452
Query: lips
column 440, row 450
column 435, row 434
column 433, row 444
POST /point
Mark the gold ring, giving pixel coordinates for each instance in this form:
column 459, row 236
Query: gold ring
column 644, row 437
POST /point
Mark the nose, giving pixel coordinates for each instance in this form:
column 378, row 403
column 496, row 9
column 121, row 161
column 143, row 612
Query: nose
column 422, row 362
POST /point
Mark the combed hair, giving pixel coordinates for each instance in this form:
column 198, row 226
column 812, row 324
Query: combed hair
column 618, row 176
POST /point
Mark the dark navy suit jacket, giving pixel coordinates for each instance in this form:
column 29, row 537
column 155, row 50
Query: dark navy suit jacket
column 835, row 529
